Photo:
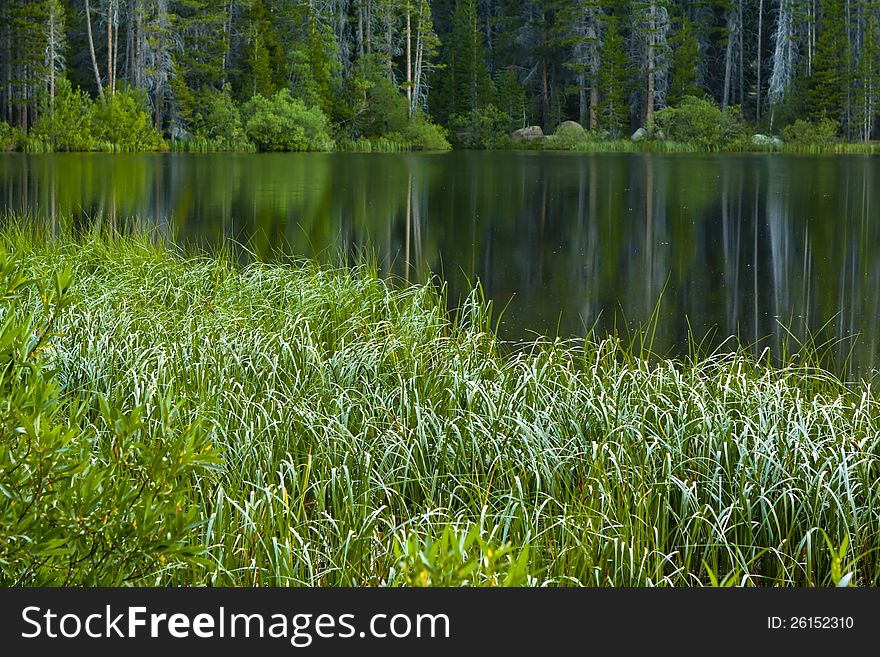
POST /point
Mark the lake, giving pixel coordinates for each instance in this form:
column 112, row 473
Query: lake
column 771, row 248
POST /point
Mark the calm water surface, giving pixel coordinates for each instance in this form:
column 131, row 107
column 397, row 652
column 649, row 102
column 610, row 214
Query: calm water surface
column 727, row 245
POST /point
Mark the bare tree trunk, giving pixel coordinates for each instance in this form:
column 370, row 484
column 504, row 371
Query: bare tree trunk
column 369, row 26
column 728, row 60
column 649, row 106
column 760, row 59
column 115, row 42
column 594, row 84
column 583, row 110
column 92, row 52
column 389, row 40
column 360, row 30
column 420, row 53
column 52, row 63
column 409, row 76
column 742, row 76
column 110, row 45
column 545, row 96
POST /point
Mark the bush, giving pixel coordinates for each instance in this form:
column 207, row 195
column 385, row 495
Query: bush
column 820, row 133
column 220, row 123
column 481, row 129
column 87, row 499
column 123, row 122
column 67, row 124
column 700, row 122
column 9, row 138
column 283, row 123
column 380, row 109
column 421, row 134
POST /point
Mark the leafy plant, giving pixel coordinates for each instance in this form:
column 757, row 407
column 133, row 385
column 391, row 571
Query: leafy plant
column 220, row 123
column 457, row 558
column 699, row 121
column 820, row 133
column 123, row 122
column 485, row 128
column 283, row 123
column 66, row 125
column 94, row 500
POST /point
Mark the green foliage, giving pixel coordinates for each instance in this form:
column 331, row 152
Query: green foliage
column 613, row 110
column 699, row 121
column 98, row 499
column 66, row 125
column 381, row 109
column 828, row 83
column 314, row 68
column 511, row 98
column 465, row 84
column 458, row 558
column 221, row 123
column 480, row 129
column 8, row 137
column 421, row 134
column 284, row 123
column 819, row 133
column 685, row 63
column 348, row 457
column 123, row 122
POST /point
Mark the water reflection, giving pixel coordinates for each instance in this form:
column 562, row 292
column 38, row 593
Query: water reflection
column 735, row 244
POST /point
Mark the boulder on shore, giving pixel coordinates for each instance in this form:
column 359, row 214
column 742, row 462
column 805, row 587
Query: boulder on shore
column 766, row 141
column 532, row 133
column 570, row 127
column 639, row 135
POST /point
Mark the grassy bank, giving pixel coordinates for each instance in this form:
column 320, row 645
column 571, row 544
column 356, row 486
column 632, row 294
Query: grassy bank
column 187, row 421
column 660, row 146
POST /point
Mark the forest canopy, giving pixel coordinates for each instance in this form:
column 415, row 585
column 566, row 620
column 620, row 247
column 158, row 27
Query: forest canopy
column 323, row 74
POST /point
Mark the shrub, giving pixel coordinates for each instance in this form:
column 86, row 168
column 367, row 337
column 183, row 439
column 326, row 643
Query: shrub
column 700, row 122
column 821, row 133
column 67, row 125
column 9, row 138
column 283, row 123
column 421, row 134
column 123, row 122
column 380, row 109
column 220, row 123
column 480, row 129
column 88, row 499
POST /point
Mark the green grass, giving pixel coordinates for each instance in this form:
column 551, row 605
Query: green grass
column 363, row 436
column 555, row 143
column 741, row 146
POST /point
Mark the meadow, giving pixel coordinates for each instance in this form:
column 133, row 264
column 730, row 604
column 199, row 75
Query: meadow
column 170, row 418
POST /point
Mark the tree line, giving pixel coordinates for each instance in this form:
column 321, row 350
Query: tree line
column 234, row 72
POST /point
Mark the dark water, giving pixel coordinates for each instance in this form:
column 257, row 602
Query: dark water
column 728, row 245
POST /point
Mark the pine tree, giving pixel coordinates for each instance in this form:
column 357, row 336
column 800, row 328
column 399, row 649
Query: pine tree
column 867, row 83
column 685, row 63
column 27, row 66
column 201, row 52
column 579, row 22
column 828, row 83
column 466, row 84
column 613, row 111
column 261, row 68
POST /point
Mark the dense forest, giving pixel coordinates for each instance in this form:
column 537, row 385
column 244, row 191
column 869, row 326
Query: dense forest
column 319, row 74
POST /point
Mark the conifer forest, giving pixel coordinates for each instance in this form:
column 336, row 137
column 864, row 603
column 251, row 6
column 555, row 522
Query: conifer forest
column 227, row 74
